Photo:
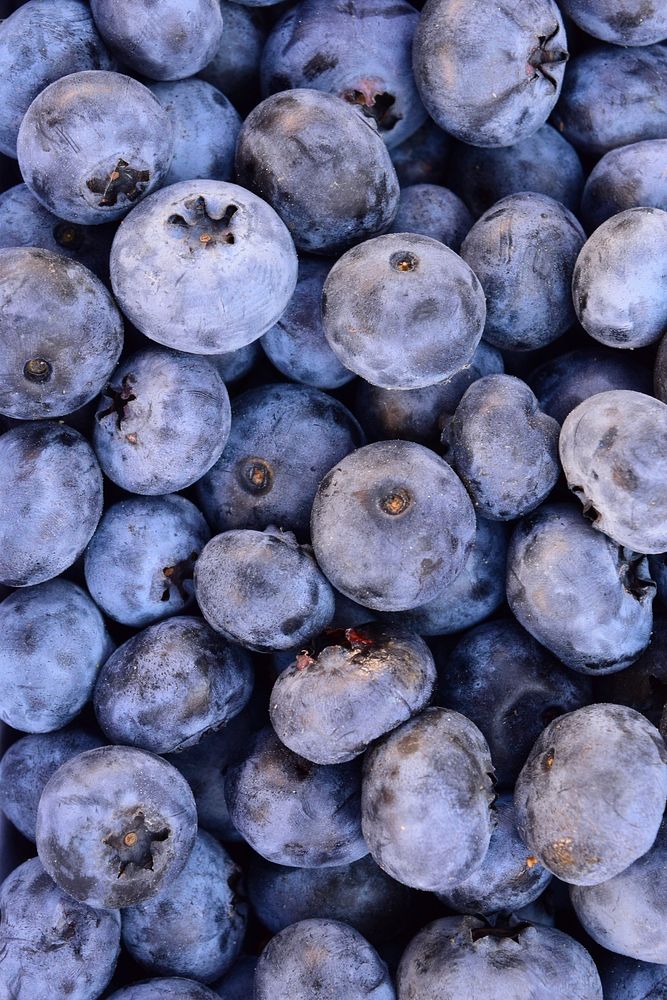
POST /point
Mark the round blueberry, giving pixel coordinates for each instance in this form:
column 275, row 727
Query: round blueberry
column 625, row 22
column 627, row 177
column 165, row 989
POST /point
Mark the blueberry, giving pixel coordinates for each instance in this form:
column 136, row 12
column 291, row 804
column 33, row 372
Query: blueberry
column 170, row 44
column 619, row 279
column 262, row 589
column 627, row 979
column 162, row 421
column 53, row 945
column 165, row 989
column 628, row 22
column 322, row 166
column 581, row 595
column 426, row 798
column 115, row 825
column 40, row 42
column 321, row 958
column 51, row 484
column 590, row 798
column 523, row 250
column 284, row 439
column 434, row 211
column 392, row 283
column 234, row 69
column 361, row 52
column 93, row 144
column 201, row 909
column 239, row 983
column 294, row 812
column 296, row 345
column 642, row 686
column 60, row 334
column 140, row 695
column 367, row 680
column 626, row 177
column 613, row 448
column 203, row 266
column 392, row 525
column 490, row 75
column 235, row 365
column 423, row 158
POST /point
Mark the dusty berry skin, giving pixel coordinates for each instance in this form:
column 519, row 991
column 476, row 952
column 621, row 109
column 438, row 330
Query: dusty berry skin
column 396, row 282
column 171, row 684
column 235, row 365
column 24, row 222
column 54, row 641
column 630, row 22
column 435, row 769
column 660, row 371
column 262, row 589
column 359, row 894
column 523, row 250
column 613, row 449
column 322, row 166
column 419, row 414
column 294, row 812
column 139, row 562
column 619, row 279
column 361, row 52
column 641, row 686
column 580, row 594
column 284, row 439
column 206, row 125
column 508, row 878
column 431, row 210
column 234, row 69
column 84, row 155
column 175, row 988
column 544, row 162
column 625, row 978
column 203, row 909
column 61, row 334
column 628, row 177
column 600, row 85
column 501, row 679
column 52, row 486
column 28, row 764
column 565, row 381
column 52, row 945
column 203, row 266
column 423, row 158
column 590, row 798
column 504, row 449
column 62, row 39
column 161, row 422
column 168, row 43
column 296, row 345
column 328, row 706
column 482, row 92
column 321, row 958
column 115, row 825
column 463, row 957
column 392, row 525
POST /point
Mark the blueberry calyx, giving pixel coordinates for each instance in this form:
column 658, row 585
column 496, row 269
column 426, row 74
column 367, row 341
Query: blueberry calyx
column 119, row 400
column 177, row 575
column 404, row 261
column 122, row 180
column 373, row 105
column 134, row 844
column 476, row 933
column 37, row 370
column 396, row 502
column 68, row 236
column 208, row 229
column 542, row 56
column 256, row 475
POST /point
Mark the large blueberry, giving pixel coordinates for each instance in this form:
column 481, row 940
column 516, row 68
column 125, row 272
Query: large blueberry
column 396, row 282
column 203, row 266
column 627, row 177
column 93, row 144
column 590, row 798
column 322, row 166
column 162, row 421
column 51, row 485
column 114, row 825
column 61, row 334
column 234, row 69
column 392, row 525
column 622, row 22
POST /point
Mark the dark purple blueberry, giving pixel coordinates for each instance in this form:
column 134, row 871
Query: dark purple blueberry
column 165, row 989
column 234, row 69
column 423, row 158
column 431, row 210
column 627, row 177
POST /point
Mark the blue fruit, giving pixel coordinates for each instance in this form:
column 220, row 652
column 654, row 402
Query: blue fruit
column 642, row 685
column 234, row 69
column 235, row 365
column 239, row 983
column 431, row 210
column 165, row 989
column 627, row 177
column 423, row 158
column 628, row 22
column 627, row 979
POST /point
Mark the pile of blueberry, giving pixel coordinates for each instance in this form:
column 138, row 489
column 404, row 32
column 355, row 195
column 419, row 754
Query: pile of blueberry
column 333, row 499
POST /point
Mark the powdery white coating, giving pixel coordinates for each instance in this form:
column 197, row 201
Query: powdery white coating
column 460, row 958
column 51, row 945
column 500, row 81
column 613, row 449
column 426, row 800
column 92, row 144
column 203, row 266
column 325, row 952
column 396, row 282
column 54, row 641
column 581, row 595
column 171, row 684
column 626, row 177
column 618, row 283
column 52, row 486
column 165, row 989
column 622, row 22
column 590, row 798
column 114, row 825
column 435, row 211
column 294, row 812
